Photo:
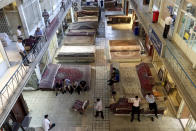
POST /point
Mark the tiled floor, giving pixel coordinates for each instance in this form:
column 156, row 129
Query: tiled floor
column 59, row 107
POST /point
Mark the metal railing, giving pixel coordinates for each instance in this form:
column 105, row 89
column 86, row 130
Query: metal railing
column 10, row 87
column 18, row 75
column 178, row 69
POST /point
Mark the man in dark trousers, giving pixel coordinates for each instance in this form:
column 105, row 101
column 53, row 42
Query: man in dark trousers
column 47, row 125
column 22, row 51
column 168, row 22
column 101, row 3
column 99, row 108
column 135, row 107
column 152, row 104
column 46, row 17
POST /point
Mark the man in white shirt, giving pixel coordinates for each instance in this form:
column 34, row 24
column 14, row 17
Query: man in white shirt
column 135, row 107
column 99, row 108
column 19, row 32
column 168, row 22
column 152, row 104
column 22, row 51
column 46, row 124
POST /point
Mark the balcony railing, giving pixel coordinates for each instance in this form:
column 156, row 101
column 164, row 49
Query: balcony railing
column 12, row 85
column 178, row 68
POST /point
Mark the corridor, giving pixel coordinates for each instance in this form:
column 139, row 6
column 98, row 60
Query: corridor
column 59, row 107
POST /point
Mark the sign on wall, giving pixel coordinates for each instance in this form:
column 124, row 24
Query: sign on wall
column 155, row 40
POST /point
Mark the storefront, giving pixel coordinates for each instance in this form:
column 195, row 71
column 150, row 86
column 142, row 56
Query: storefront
column 169, row 7
column 17, row 119
column 4, row 63
column 185, row 35
column 156, row 5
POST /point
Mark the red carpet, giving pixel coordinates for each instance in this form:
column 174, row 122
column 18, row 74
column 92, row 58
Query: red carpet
column 55, row 72
column 48, row 77
column 74, row 73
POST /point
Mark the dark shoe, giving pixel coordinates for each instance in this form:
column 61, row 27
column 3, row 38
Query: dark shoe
column 157, row 117
column 152, row 119
column 56, row 94
column 139, row 120
column 131, row 120
column 26, row 64
column 102, row 117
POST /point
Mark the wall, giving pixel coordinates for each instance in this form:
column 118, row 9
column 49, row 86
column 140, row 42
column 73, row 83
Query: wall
column 184, row 47
column 13, row 20
column 3, row 68
column 53, row 46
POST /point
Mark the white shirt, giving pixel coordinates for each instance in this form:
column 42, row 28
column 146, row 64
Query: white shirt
column 18, row 32
column 150, row 99
column 168, row 20
column 136, row 102
column 46, row 124
column 99, row 106
column 20, row 47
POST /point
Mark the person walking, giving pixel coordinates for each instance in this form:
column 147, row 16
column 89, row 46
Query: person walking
column 63, row 5
column 46, row 16
column 99, row 108
column 47, row 124
column 168, row 22
column 22, row 51
column 135, row 107
column 152, row 104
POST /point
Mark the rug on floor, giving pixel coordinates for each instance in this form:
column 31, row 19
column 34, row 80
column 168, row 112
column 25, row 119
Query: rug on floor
column 48, row 77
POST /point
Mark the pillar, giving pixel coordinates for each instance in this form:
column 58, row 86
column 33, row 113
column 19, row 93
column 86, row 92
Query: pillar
column 49, row 56
column 178, row 17
column 23, row 18
column 40, row 12
column 72, row 15
column 191, row 124
column 38, row 73
column 151, row 5
column 4, row 54
column 180, row 109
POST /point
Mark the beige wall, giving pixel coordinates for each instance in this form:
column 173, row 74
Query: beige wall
column 184, row 47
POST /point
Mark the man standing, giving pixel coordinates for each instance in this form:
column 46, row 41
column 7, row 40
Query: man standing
column 46, row 16
column 58, row 86
column 19, row 32
column 63, row 5
column 101, row 3
column 22, row 51
column 46, row 124
column 152, row 104
column 99, row 108
column 168, row 22
column 135, row 107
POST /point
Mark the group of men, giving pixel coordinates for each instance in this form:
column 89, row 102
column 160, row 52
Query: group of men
column 21, row 45
column 65, row 85
column 136, row 105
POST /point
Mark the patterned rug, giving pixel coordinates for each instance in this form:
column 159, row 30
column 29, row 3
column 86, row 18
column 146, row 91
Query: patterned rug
column 48, row 77
column 55, row 72
column 74, row 73
column 125, row 56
